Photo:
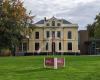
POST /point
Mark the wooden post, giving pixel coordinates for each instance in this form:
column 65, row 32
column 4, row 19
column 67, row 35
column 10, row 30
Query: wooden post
column 44, row 63
column 55, row 63
column 64, row 62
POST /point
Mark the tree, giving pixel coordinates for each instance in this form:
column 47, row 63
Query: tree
column 94, row 28
column 97, row 26
column 13, row 23
column 90, row 29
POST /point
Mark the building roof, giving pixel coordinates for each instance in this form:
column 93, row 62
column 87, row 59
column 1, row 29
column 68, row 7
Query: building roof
column 66, row 22
column 40, row 22
column 63, row 20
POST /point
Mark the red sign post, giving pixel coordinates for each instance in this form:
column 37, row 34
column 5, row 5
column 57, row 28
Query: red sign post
column 54, row 62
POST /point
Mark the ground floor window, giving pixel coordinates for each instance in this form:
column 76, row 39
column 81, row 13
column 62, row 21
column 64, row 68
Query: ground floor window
column 69, row 46
column 24, row 46
column 59, row 45
column 20, row 47
column 46, row 46
column 37, row 46
column 53, row 46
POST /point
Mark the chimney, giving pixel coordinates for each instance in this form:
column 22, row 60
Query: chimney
column 44, row 18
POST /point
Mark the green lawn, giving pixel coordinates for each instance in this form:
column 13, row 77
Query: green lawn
column 31, row 68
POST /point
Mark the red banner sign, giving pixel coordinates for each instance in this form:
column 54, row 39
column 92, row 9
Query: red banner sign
column 60, row 61
column 55, row 62
column 49, row 61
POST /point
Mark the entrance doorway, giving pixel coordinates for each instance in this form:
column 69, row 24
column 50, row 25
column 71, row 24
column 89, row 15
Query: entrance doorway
column 53, row 46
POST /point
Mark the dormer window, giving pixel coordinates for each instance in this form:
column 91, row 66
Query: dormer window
column 48, row 24
column 58, row 24
column 53, row 23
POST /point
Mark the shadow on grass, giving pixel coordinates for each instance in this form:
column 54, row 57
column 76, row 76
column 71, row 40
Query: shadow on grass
column 33, row 70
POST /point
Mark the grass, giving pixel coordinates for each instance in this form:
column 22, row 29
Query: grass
column 31, row 68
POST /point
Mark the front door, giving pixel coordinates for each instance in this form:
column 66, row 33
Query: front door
column 53, row 46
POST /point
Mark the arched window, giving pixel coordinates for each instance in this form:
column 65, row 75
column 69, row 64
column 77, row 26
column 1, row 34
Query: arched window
column 58, row 24
column 48, row 24
column 36, row 35
column 37, row 45
column 47, row 34
column 58, row 34
column 69, row 35
column 53, row 23
column 69, row 46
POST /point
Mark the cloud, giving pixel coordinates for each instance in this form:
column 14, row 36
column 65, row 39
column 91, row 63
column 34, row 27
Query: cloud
column 77, row 11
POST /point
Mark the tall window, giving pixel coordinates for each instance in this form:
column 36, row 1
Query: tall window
column 24, row 46
column 37, row 46
column 20, row 47
column 48, row 24
column 58, row 34
column 36, row 35
column 59, row 45
column 46, row 46
column 58, row 24
column 47, row 34
column 53, row 23
column 69, row 46
column 53, row 34
column 53, row 47
column 69, row 35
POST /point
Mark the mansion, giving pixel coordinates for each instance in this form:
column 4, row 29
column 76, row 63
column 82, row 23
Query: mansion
column 51, row 36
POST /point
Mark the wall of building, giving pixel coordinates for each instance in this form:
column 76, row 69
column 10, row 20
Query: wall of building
column 63, row 28
column 83, row 38
column 64, row 40
column 74, row 39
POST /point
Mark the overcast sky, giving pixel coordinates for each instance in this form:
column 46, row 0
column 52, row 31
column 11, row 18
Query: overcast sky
column 81, row 12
